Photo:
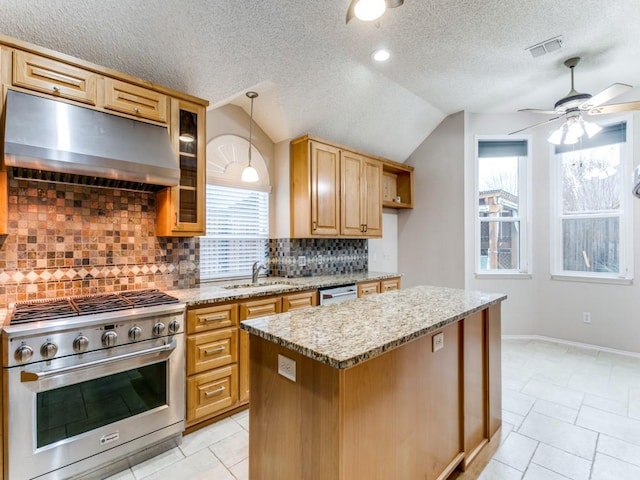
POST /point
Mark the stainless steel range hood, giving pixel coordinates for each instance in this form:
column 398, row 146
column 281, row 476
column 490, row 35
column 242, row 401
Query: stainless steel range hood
column 55, row 141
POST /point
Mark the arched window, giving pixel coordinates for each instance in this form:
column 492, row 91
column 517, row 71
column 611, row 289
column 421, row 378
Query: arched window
column 237, row 231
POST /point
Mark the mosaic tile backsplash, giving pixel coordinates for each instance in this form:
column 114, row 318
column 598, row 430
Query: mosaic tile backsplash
column 76, row 240
column 321, row 256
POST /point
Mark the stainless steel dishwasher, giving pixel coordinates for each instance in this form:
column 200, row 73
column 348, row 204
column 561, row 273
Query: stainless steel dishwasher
column 337, row 294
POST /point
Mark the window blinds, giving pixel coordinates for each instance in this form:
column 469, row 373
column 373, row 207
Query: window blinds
column 237, row 232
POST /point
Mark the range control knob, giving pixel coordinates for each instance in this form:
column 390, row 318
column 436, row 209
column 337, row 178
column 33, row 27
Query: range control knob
column 174, row 326
column 48, row 350
column 109, row 338
column 80, row 344
column 135, row 333
column 158, row 329
column 23, row 353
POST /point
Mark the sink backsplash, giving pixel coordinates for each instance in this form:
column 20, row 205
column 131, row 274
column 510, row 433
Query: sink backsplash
column 75, row 240
column 321, row 256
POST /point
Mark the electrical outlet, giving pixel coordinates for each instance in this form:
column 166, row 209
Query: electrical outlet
column 586, row 317
column 302, row 261
column 287, row 367
column 437, row 342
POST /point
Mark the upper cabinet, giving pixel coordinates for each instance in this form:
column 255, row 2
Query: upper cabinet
column 56, row 78
column 43, row 72
column 181, row 209
column 134, row 100
column 337, row 191
column 397, row 185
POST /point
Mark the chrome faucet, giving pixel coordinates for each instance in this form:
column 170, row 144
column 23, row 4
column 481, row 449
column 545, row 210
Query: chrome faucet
column 255, row 270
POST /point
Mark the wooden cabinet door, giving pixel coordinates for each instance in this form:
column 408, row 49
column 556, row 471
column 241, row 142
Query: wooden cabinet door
column 351, row 205
column 371, row 199
column 368, row 288
column 134, row 100
column 252, row 309
column 325, row 191
column 181, row 210
column 389, row 284
column 211, row 392
column 55, row 78
column 295, row 301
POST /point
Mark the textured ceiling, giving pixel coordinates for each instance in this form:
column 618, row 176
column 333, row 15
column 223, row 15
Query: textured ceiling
column 314, row 73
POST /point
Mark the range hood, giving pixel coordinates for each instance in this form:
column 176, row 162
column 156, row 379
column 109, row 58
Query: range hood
column 55, row 141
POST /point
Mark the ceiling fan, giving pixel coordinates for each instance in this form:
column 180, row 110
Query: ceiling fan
column 368, row 10
column 574, row 103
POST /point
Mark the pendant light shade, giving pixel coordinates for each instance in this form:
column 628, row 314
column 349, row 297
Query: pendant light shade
column 250, row 174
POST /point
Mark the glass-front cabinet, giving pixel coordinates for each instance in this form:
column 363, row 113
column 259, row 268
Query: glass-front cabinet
column 181, row 209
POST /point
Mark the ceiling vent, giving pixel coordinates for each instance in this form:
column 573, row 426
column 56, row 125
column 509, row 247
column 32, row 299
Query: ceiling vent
column 547, row 46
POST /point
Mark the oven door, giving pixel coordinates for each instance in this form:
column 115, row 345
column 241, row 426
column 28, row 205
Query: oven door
column 94, row 406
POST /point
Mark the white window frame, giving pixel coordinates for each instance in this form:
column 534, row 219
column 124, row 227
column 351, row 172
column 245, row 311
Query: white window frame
column 524, row 218
column 246, row 272
column 625, row 275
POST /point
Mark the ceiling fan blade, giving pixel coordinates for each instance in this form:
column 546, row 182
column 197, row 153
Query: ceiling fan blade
column 537, row 124
column 605, row 95
column 535, row 110
column 614, row 108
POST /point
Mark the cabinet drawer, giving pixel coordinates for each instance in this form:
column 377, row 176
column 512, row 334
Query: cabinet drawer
column 53, row 77
column 212, row 318
column 141, row 102
column 294, row 301
column 260, row 308
column 212, row 350
column 211, row 392
column 368, row 288
column 389, row 284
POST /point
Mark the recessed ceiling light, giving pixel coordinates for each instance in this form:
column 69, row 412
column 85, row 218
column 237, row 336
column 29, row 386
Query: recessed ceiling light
column 381, row 55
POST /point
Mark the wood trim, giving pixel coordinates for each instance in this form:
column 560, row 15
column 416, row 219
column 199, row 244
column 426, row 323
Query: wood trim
column 494, row 345
column 52, row 54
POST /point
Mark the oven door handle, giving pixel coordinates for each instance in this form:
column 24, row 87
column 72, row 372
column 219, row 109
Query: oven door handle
column 26, row 376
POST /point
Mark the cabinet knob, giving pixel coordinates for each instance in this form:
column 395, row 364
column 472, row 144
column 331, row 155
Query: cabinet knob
column 366, row 227
column 56, row 89
column 137, row 110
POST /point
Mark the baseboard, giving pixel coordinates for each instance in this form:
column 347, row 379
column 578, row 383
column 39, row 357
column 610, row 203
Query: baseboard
column 572, row 344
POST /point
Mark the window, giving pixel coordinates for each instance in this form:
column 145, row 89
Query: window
column 592, row 206
column 501, row 239
column 237, row 232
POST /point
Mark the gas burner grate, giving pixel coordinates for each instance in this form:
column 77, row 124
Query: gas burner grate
column 42, row 310
column 34, row 311
column 148, row 298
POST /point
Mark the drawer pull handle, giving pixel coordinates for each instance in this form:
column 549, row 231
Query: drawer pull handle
column 217, row 391
column 214, row 350
column 214, row 318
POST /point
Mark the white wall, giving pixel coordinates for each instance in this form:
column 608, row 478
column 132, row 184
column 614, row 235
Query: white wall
column 539, row 305
column 383, row 252
column 431, row 235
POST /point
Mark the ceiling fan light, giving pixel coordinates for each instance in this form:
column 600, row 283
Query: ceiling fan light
column 591, row 128
column 556, row 136
column 369, row 10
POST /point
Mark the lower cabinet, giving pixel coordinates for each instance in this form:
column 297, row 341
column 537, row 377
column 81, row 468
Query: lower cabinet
column 371, row 288
column 217, row 356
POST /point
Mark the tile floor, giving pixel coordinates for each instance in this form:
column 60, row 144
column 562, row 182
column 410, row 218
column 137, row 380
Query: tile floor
column 568, row 413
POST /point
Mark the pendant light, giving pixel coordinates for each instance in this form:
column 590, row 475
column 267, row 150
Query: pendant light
column 250, row 174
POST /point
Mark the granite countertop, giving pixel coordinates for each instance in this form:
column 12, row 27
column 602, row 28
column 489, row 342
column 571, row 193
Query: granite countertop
column 345, row 334
column 216, row 292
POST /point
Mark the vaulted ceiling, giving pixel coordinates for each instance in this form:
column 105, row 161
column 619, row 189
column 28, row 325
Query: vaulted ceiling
column 314, row 73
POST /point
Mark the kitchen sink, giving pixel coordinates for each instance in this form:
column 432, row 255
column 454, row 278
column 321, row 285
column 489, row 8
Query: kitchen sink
column 262, row 286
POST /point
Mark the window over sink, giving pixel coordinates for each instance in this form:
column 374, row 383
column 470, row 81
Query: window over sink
column 237, row 220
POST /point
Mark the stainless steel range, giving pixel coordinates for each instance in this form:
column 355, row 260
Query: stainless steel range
column 92, row 383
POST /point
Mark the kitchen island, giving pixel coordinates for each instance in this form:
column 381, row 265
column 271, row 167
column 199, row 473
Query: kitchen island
column 405, row 384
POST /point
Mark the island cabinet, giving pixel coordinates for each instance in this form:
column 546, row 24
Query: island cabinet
column 335, row 192
column 413, row 406
column 373, row 287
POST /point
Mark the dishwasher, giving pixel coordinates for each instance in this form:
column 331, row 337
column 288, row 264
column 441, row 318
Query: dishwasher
column 339, row 294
